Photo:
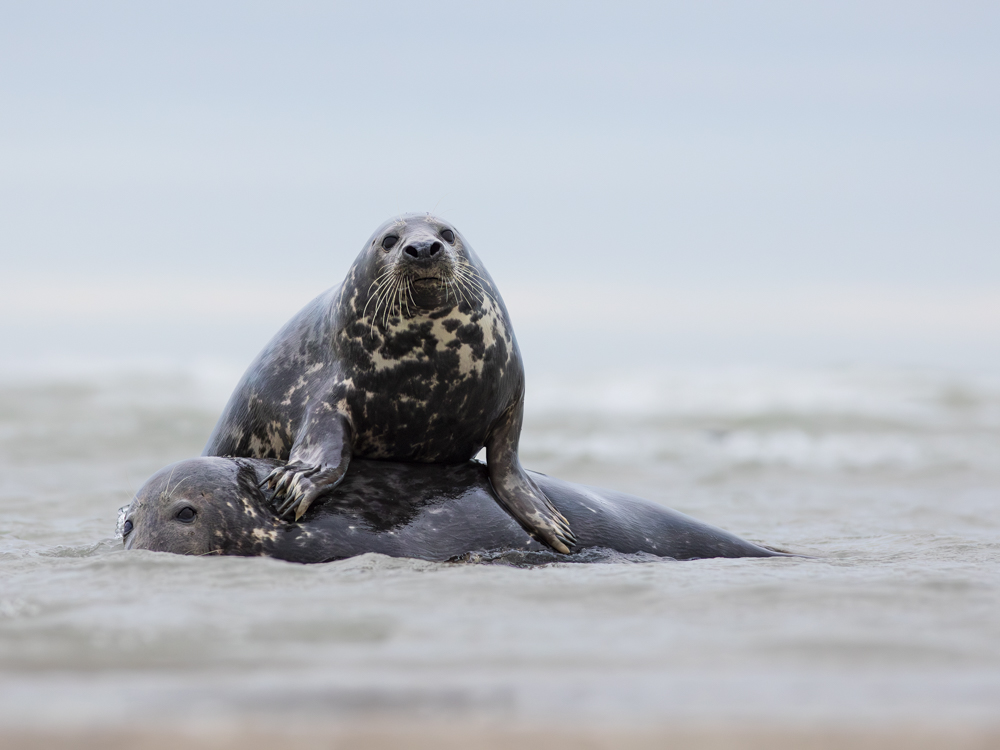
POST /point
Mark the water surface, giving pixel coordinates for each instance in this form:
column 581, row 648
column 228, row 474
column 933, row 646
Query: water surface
column 890, row 480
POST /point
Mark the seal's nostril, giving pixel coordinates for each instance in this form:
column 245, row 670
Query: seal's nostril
column 423, row 250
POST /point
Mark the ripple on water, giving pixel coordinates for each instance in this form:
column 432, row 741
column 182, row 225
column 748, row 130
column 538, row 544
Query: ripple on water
column 892, row 481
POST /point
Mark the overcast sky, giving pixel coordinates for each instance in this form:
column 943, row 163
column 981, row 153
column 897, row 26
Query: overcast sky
column 774, row 169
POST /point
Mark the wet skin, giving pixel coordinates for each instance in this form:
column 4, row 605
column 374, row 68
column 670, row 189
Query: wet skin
column 412, row 358
column 216, row 506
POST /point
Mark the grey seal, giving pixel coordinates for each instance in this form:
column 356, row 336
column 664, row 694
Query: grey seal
column 411, row 358
column 217, row 506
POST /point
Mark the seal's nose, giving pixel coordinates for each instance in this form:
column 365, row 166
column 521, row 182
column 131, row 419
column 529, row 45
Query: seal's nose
column 423, row 250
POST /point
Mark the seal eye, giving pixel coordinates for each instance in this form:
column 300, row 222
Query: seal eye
column 389, row 242
column 448, row 235
column 186, row 515
column 126, row 529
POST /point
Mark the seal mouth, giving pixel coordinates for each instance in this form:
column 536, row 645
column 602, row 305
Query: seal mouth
column 428, row 292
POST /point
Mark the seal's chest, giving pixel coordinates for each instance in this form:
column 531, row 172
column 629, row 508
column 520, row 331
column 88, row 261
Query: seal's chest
column 432, row 388
column 448, row 349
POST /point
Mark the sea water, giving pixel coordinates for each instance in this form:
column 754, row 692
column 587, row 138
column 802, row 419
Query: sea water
column 887, row 481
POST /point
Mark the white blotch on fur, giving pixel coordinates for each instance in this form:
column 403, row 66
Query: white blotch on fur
column 260, row 535
column 299, row 384
column 257, row 446
column 491, row 324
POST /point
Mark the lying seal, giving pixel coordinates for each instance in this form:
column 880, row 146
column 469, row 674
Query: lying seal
column 216, row 506
column 412, row 358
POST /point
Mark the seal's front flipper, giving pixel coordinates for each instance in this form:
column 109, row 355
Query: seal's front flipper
column 318, row 462
column 516, row 492
column 297, row 485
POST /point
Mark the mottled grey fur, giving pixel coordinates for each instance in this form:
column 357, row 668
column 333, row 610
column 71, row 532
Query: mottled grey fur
column 412, row 358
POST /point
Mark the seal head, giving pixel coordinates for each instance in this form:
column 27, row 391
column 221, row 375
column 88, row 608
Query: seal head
column 205, row 506
column 417, row 265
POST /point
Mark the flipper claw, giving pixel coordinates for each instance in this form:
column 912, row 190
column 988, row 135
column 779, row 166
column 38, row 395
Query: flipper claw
column 297, row 485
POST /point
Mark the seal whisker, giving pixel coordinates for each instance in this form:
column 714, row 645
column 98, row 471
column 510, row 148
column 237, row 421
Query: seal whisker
column 460, row 290
column 448, row 286
column 472, row 275
column 483, row 291
column 378, row 284
column 374, row 317
column 370, row 299
column 128, row 481
column 473, row 286
column 461, row 286
column 384, row 297
column 397, row 298
column 470, row 270
column 382, row 300
column 383, row 293
column 390, row 299
column 451, row 286
column 373, row 297
column 409, row 292
column 168, row 492
column 467, row 273
column 385, row 274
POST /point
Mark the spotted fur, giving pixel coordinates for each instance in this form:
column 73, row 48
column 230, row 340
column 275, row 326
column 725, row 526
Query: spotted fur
column 409, row 359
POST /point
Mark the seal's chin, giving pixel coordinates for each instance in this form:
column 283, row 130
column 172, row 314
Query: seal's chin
column 429, row 292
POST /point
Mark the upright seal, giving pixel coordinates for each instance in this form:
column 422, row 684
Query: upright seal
column 411, row 358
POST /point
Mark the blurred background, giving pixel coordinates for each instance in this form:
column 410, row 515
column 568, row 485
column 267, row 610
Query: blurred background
column 752, row 255
column 669, row 183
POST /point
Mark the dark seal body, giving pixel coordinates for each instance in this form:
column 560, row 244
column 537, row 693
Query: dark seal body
column 216, row 506
column 412, row 358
